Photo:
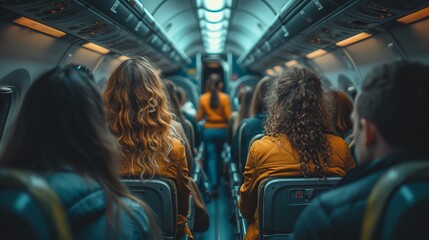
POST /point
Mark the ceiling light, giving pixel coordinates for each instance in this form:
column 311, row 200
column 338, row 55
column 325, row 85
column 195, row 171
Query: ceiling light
column 123, row 58
column 217, row 34
column 277, row 68
column 414, row 16
column 214, row 26
column 353, row 39
column 316, row 54
column 214, row 5
column 213, row 51
column 269, row 72
column 291, row 63
column 214, row 16
column 39, row 27
column 96, row 48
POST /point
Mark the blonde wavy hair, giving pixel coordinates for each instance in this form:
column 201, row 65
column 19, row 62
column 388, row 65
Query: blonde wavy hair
column 138, row 115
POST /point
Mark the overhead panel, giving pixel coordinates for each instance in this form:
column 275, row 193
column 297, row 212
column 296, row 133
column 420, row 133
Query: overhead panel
column 324, row 24
column 122, row 26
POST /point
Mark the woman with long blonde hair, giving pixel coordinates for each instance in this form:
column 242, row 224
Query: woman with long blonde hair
column 138, row 115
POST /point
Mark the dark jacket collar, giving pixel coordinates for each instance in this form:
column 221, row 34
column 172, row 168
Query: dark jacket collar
column 380, row 165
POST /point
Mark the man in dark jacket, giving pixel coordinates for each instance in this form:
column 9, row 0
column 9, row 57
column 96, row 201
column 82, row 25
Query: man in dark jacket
column 390, row 126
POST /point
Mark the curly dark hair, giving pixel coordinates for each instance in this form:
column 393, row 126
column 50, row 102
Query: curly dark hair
column 297, row 108
column 394, row 97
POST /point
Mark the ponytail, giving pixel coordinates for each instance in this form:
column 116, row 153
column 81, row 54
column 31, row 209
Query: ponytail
column 214, row 99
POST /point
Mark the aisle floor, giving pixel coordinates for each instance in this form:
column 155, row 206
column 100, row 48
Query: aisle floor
column 221, row 225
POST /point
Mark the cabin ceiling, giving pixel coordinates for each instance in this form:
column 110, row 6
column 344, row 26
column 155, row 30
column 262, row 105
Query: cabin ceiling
column 243, row 22
column 260, row 33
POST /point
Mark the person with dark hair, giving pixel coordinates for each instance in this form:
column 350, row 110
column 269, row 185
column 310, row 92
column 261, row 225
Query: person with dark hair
column 189, row 115
column 215, row 107
column 179, row 122
column 61, row 133
column 139, row 116
column 244, row 96
column 297, row 140
column 244, row 109
column 253, row 125
column 342, row 109
column 389, row 128
column 186, row 106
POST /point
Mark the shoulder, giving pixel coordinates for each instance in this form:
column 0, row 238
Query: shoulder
column 178, row 149
column 338, row 144
column 71, row 188
column 262, row 146
column 335, row 139
column 223, row 96
column 205, row 96
column 266, row 141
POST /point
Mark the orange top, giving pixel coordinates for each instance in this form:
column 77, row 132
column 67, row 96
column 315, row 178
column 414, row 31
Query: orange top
column 175, row 169
column 217, row 117
column 275, row 157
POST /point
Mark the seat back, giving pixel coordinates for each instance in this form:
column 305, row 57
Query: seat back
column 256, row 137
column 398, row 206
column 281, row 201
column 190, row 134
column 242, row 159
column 161, row 196
column 29, row 209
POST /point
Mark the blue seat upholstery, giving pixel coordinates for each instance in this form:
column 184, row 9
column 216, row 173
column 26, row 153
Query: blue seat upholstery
column 398, row 206
column 161, row 196
column 29, row 209
column 281, row 201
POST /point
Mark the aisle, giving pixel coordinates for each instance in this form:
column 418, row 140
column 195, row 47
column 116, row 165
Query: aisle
column 221, row 227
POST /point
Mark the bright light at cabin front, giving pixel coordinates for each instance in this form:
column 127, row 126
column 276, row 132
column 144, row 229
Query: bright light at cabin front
column 213, row 16
column 214, row 34
column 214, row 26
column 214, row 5
column 214, row 20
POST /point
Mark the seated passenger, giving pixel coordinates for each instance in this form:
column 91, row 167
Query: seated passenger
column 60, row 133
column 244, row 108
column 138, row 115
column 186, row 105
column 181, row 96
column 296, row 141
column 390, row 126
column 244, row 97
column 254, row 124
column 342, row 109
column 183, row 129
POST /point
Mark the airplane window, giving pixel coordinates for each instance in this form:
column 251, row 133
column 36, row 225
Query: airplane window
column 5, row 103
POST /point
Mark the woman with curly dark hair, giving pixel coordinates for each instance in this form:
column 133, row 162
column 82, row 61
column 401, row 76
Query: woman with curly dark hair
column 297, row 141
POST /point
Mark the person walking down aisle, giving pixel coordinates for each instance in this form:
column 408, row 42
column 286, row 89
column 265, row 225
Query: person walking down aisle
column 215, row 108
